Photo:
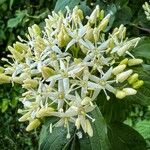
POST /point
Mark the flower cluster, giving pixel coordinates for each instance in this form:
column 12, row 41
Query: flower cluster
column 64, row 67
column 146, row 8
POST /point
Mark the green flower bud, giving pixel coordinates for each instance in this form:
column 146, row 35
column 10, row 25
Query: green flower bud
column 132, row 79
column 25, row 117
column 123, row 76
column 47, row 72
column 30, row 83
column 118, row 69
column 89, row 34
column 124, row 61
column 138, row 84
column 123, row 49
column 44, row 112
column 33, row 125
column 133, row 62
column 36, row 29
column 86, row 101
column 4, row 78
column 102, row 14
column 104, row 23
column 1, row 69
column 20, row 47
column 120, row 94
column 16, row 55
column 94, row 15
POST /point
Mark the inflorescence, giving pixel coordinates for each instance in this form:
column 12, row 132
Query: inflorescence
column 146, row 8
column 64, row 67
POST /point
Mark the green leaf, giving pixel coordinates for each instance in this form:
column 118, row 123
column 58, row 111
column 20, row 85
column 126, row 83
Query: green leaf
column 61, row 4
column 57, row 139
column 123, row 16
column 143, row 48
column 99, row 141
column 114, row 109
column 13, row 22
column 143, row 127
column 123, row 137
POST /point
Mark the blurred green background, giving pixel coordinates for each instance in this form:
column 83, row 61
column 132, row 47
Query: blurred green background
column 17, row 15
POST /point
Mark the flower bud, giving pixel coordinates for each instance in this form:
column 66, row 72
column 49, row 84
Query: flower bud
column 47, row 72
column 96, row 34
column 104, row 23
column 44, row 112
column 1, row 70
column 124, row 61
column 4, row 78
column 89, row 34
column 20, row 47
column 133, row 62
column 24, row 117
column 33, row 125
column 138, row 84
column 39, row 44
column 36, row 30
column 123, row 76
column 30, row 83
column 123, row 49
column 132, row 79
column 16, row 55
column 86, row 101
column 118, row 69
column 63, row 37
column 129, row 91
column 94, row 15
column 120, row 94
column 102, row 14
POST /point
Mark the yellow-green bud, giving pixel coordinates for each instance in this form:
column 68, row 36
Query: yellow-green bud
column 16, row 55
column 129, row 91
column 133, row 62
column 120, row 94
column 104, row 23
column 86, row 101
column 123, row 49
column 124, row 61
column 102, row 14
column 89, row 34
column 4, row 78
column 24, row 117
column 96, row 34
column 1, row 69
column 20, row 47
column 94, row 15
column 39, row 44
column 47, row 72
column 118, row 69
column 30, row 83
column 138, row 84
column 132, row 79
column 123, row 76
column 36, row 29
column 44, row 112
column 33, row 125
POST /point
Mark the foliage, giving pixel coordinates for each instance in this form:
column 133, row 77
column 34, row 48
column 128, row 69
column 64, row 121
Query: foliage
column 16, row 16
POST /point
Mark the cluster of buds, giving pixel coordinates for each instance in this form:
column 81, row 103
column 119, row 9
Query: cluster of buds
column 64, row 67
column 146, row 8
